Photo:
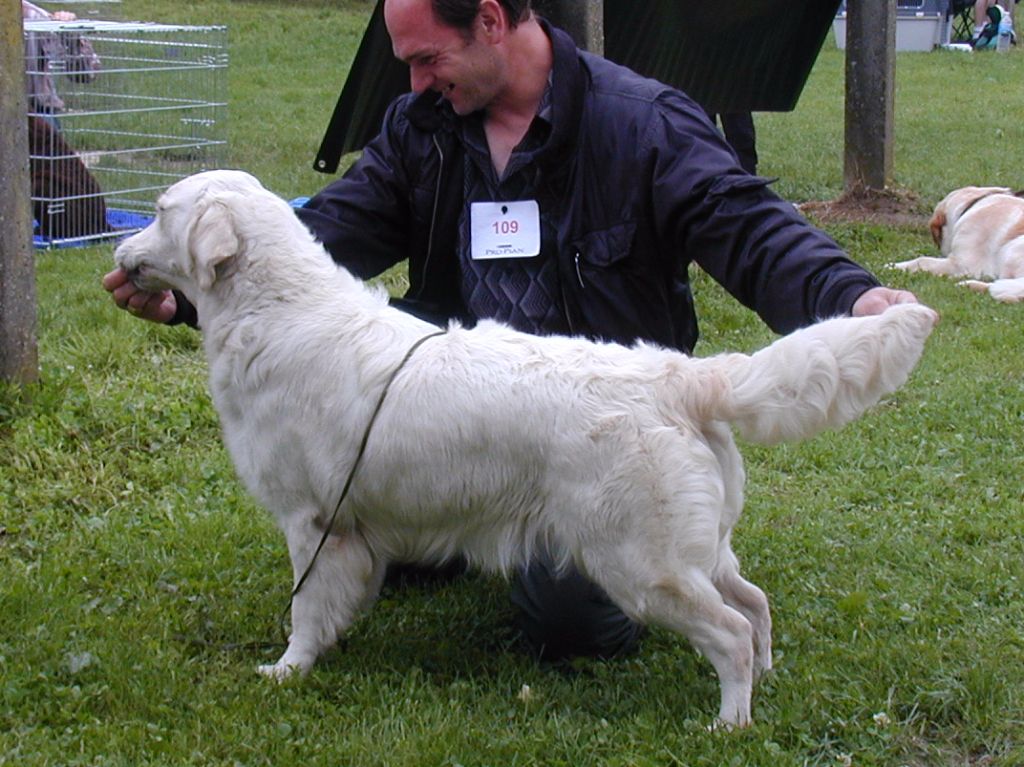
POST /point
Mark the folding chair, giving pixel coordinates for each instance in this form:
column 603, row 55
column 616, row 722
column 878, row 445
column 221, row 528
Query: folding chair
column 962, row 14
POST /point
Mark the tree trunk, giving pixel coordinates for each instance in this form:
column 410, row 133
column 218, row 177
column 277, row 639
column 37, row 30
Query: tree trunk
column 870, row 72
column 18, row 352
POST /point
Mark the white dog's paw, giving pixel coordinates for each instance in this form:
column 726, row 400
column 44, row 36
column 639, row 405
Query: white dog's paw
column 903, row 266
column 279, row 671
column 296, row 661
column 726, row 725
column 762, row 665
column 976, row 285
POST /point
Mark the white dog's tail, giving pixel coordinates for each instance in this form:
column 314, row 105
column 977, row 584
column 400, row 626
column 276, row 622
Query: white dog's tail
column 822, row 376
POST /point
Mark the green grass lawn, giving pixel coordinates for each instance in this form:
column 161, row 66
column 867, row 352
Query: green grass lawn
column 141, row 586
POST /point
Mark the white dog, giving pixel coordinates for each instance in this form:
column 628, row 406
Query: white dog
column 490, row 441
column 980, row 232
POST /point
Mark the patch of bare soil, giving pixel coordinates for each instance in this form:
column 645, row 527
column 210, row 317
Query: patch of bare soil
column 886, row 207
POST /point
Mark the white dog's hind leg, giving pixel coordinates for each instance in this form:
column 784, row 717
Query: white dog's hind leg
column 737, row 592
column 723, row 635
column 1006, row 291
column 345, row 578
column 750, row 601
column 687, row 602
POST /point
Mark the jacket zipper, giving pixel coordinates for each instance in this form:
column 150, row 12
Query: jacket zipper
column 433, row 213
column 565, row 296
column 565, row 310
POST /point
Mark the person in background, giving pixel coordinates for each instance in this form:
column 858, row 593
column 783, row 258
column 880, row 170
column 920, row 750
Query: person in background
column 67, row 201
column 738, row 128
column 49, row 52
column 987, row 15
column 618, row 185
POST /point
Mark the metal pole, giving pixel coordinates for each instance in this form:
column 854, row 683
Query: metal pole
column 18, row 350
column 870, row 72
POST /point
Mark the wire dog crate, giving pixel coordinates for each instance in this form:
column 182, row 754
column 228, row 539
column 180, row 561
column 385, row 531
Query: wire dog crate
column 118, row 111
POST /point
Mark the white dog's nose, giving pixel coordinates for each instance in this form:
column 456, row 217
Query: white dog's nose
column 123, row 257
column 120, row 257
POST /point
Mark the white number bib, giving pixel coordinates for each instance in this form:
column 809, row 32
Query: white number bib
column 504, row 229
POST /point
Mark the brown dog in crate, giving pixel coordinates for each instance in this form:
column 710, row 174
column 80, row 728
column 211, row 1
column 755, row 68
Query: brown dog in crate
column 66, row 199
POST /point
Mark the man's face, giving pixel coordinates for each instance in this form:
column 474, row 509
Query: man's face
column 462, row 67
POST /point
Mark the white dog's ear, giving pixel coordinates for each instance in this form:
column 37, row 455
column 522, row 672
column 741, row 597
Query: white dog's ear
column 212, row 239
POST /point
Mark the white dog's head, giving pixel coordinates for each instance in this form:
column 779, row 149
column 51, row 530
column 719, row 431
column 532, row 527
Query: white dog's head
column 949, row 209
column 196, row 230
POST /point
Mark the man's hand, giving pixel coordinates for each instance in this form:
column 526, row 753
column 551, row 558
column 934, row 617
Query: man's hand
column 877, row 300
column 156, row 307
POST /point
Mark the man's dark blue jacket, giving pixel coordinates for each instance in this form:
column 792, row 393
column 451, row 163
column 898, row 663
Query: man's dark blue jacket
column 640, row 186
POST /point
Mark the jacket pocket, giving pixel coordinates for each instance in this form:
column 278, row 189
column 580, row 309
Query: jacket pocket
column 609, row 294
column 601, row 250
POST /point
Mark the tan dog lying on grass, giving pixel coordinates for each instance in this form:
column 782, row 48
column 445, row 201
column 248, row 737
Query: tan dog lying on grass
column 980, row 232
column 491, row 442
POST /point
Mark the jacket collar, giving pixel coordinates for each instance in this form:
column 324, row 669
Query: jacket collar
column 567, row 90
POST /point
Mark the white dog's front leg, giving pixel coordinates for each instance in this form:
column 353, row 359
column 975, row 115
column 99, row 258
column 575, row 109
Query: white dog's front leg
column 344, row 580
column 296, row 660
column 941, row 266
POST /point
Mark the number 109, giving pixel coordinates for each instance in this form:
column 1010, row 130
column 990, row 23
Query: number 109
column 506, row 227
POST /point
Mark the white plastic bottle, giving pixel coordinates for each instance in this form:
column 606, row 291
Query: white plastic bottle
column 1005, row 31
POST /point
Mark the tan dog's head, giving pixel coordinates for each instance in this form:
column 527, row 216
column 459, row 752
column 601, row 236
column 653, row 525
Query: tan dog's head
column 952, row 206
column 194, row 232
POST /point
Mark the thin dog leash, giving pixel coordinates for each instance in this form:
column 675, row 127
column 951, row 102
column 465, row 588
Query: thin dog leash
column 351, row 476
column 235, row 646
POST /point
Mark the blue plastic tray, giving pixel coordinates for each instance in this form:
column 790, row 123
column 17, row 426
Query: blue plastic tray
column 120, row 222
